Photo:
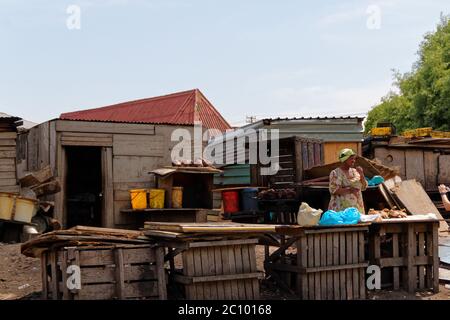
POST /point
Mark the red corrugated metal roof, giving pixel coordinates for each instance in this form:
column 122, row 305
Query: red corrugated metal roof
column 182, row 108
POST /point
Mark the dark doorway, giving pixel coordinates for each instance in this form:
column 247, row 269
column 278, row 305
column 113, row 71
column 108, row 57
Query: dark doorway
column 84, row 186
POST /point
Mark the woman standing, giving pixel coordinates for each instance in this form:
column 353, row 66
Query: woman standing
column 347, row 184
column 443, row 190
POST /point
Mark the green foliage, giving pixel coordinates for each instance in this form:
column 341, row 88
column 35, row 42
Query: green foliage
column 423, row 98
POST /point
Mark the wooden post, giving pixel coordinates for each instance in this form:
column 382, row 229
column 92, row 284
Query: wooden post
column 435, row 251
column 44, row 259
column 410, row 254
column 120, row 273
column 162, row 290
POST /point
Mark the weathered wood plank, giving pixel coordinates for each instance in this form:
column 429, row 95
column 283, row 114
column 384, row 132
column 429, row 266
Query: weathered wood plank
column 395, row 254
column 355, row 272
column 421, row 253
column 132, row 145
column 228, row 288
column 161, row 273
column 219, row 271
column 329, row 274
column 323, row 262
column 119, row 273
column 311, row 277
column 336, row 286
column 188, row 269
column 232, row 266
column 349, row 273
column 342, row 261
column 104, row 127
column 317, row 277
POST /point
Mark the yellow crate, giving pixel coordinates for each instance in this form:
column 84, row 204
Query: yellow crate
column 424, row 132
column 381, row 131
column 439, row 134
column 409, row 133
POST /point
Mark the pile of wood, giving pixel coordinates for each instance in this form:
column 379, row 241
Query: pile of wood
column 320, row 175
column 411, row 196
column 41, row 182
column 82, row 236
column 173, row 230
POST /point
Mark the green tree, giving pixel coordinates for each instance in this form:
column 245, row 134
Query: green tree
column 423, row 97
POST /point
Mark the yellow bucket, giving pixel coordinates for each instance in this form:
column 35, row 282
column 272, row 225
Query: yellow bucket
column 25, row 209
column 138, row 198
column 157, row 198
column 177, row 197
column 6, row 205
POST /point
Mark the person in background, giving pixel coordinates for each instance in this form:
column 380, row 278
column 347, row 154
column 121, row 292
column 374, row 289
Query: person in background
column 443, row 190
column 347, row 184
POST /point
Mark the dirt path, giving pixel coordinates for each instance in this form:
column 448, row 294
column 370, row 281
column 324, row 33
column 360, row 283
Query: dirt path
column 20, row 276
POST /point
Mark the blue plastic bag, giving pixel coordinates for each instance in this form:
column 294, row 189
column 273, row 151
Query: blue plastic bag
column 348, row 216
column 376, row 180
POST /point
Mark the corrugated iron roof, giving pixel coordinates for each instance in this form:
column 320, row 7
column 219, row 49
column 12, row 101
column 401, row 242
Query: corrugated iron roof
column 182, row 108
column 314, row 118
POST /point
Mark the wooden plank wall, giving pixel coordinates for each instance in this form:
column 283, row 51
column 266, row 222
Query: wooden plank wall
column 419, row 164
column 8, row 173
column 331, row 150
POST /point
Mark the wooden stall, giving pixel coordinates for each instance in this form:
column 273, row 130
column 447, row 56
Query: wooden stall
column 106, row 272
column 407, row 252
column 98, row 263
column 320, row 263
column 218, row 260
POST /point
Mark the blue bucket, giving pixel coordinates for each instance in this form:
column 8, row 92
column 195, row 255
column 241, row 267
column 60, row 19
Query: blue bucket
column 249, row 199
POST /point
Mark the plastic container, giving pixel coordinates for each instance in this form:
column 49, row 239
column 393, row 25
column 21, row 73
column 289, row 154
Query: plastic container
column 177, row 197
column 138, row 199
column 25, row 209
column 156, row 197
column 6, row 205
column 249, row 199
column 230, row 201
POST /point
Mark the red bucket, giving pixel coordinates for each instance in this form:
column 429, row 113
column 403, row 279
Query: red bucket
column 230, row 201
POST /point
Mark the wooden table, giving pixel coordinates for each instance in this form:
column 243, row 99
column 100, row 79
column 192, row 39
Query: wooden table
column 320, row 263
column 173, row 214
column 408, row 246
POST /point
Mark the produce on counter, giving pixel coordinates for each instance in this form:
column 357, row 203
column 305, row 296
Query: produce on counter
column 389, row 213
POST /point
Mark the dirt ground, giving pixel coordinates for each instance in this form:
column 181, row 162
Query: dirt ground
column 20, row 278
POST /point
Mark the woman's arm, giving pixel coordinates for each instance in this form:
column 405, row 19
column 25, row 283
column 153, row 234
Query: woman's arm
column 362, row 178
column 443, row 191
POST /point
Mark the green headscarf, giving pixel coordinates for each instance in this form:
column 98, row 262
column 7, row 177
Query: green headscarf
column 344, row 154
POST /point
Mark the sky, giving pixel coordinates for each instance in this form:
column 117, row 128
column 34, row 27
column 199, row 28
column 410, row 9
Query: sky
column 250, row 58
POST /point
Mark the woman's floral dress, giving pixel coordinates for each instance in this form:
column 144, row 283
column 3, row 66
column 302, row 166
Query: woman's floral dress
column 338, row 179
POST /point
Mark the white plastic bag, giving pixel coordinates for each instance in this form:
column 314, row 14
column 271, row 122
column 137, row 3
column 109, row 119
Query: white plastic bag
column 308, row 216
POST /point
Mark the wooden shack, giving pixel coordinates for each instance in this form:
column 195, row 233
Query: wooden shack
column 98, row 155
column 426, row 160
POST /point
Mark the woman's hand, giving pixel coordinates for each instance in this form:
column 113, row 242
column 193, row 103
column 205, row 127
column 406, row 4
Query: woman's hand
column 361, row 173
column 443, row 189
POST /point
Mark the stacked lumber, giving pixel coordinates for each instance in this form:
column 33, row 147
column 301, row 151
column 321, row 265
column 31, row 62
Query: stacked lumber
column 81, row 236
column 410, row 195
column 318, row 175
column 41, row 182
column 175, row 230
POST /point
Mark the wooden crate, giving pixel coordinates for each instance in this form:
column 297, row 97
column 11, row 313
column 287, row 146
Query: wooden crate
column 329, row 263
column 407, row 252
column 217, row 270
column 107, row 272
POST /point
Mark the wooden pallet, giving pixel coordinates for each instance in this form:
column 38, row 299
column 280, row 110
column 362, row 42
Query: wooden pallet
column 409, row 251
column 107, row 272
column 222, row 269
column 329, row 264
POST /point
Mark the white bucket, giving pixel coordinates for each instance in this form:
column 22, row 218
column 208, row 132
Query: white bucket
column 6, row 205
column 25, row 209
